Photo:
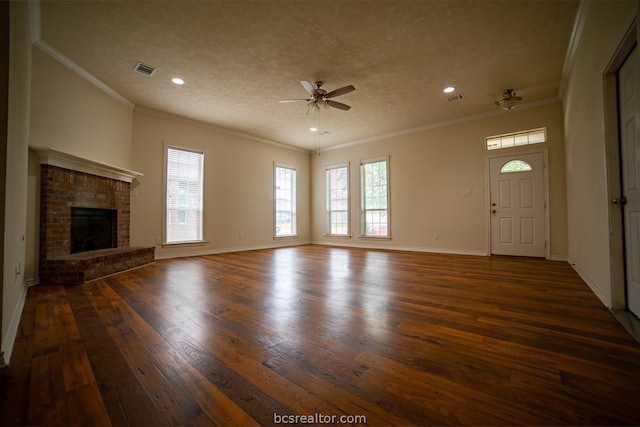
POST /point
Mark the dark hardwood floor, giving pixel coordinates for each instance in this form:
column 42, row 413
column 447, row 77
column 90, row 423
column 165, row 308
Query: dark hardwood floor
column 258, row 337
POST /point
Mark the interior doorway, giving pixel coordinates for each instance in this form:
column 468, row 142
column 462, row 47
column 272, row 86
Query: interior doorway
column 622, row 86
column 629, row 199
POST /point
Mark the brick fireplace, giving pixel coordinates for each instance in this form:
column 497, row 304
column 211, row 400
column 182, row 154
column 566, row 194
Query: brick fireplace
column 71, row 184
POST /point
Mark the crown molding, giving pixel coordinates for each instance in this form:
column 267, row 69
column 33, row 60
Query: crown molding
column 574, row 41
column 212, row 127
column 445, row 123
column 36, row 38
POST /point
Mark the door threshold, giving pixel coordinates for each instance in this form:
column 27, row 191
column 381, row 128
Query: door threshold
column 630, row 322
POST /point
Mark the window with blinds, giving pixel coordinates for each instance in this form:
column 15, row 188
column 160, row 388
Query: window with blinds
column 185, row 169
column 516, row 139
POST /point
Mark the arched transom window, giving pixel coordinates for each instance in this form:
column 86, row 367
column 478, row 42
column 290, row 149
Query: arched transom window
column 515, row 166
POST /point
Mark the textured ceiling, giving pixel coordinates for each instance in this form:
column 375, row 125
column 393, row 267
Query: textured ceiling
column 239, row 58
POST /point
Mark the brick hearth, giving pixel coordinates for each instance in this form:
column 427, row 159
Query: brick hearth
column 62, row 189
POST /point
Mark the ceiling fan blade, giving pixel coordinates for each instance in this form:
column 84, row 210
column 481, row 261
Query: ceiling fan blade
column 306, row 84
column 338, row 105
column 340, row 91
column 294, row 100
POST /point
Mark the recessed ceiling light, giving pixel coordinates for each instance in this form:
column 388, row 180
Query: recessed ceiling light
column 449, row 89
column 177, row 80
column 314, row 129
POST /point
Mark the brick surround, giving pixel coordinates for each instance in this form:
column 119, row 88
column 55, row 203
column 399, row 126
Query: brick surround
column 62, row 189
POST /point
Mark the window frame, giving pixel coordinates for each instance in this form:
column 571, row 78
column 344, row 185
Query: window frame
column 165, row 211
column 363, row 191
column 294, row 198
column 328, row 200
column 513, row 136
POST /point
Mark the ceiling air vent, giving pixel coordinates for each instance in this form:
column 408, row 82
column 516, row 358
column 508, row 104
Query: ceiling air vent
column 457, row 97
column 145, row 69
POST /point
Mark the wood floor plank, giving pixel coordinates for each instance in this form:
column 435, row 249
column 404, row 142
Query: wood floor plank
column 256, row 337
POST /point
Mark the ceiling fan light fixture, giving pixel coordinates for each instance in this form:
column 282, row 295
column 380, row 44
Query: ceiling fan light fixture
column 509, row 100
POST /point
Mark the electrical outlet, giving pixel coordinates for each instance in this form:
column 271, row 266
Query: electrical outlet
column 240, row 235
column 436, row 236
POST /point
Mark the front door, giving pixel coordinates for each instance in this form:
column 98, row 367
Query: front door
column 628, row 96
column 518, row 219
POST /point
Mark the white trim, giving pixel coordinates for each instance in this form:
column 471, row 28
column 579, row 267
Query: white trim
column 183, row 254
column 362, row 225
column 326, row 199
column 424, row 249
column 36, row 34
column 215, row 128
column 445, row 123
column 60, row 57
column 166, row 146
column 593, row 285
column 294, row 219
column 574, row 41
column 613, row 167
column 48, row 156
column 9, row 337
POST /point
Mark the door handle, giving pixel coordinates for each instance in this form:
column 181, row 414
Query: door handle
column 619, row 201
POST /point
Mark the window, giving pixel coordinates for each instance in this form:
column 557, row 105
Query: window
column 528, row 137
column 515, row 166
column 374, row 197
column 285, row 200
column 183, row 213
column 338, row 200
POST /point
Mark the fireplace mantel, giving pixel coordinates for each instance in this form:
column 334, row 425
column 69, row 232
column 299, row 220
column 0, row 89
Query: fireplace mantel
column 48, row 156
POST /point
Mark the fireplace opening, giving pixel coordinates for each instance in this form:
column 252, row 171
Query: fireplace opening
column 93, row 229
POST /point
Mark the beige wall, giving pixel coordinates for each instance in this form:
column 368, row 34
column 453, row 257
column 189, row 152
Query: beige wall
column 238, row 189
column 584, row 114
column 429, row 171
column 70, row 114
column 14, row 281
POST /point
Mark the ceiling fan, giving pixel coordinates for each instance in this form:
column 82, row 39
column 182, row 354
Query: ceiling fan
column 320, row 98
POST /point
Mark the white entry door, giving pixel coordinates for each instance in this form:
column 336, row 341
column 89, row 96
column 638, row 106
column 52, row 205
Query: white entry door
column 628, row 95
column 518, row 219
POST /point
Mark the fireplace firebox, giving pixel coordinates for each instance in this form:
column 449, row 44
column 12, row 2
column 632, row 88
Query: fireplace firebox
column 93, row 229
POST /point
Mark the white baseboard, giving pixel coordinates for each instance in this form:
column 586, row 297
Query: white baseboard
column 602, row 295
column 9, row 339
column 404, row 248
column 209, row 251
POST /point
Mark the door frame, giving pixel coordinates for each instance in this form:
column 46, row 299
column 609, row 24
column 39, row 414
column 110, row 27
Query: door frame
column 613, row 166
column 545, row 188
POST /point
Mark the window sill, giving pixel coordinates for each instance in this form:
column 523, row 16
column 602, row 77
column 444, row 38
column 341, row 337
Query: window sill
column 364, row 236
column 338, row 236
column 185, row 244
column 288, row 236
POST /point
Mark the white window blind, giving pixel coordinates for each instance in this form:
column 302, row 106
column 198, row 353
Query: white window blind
column 337, row 178
column 285, row 201
column 516, row 139
column 184, row 195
